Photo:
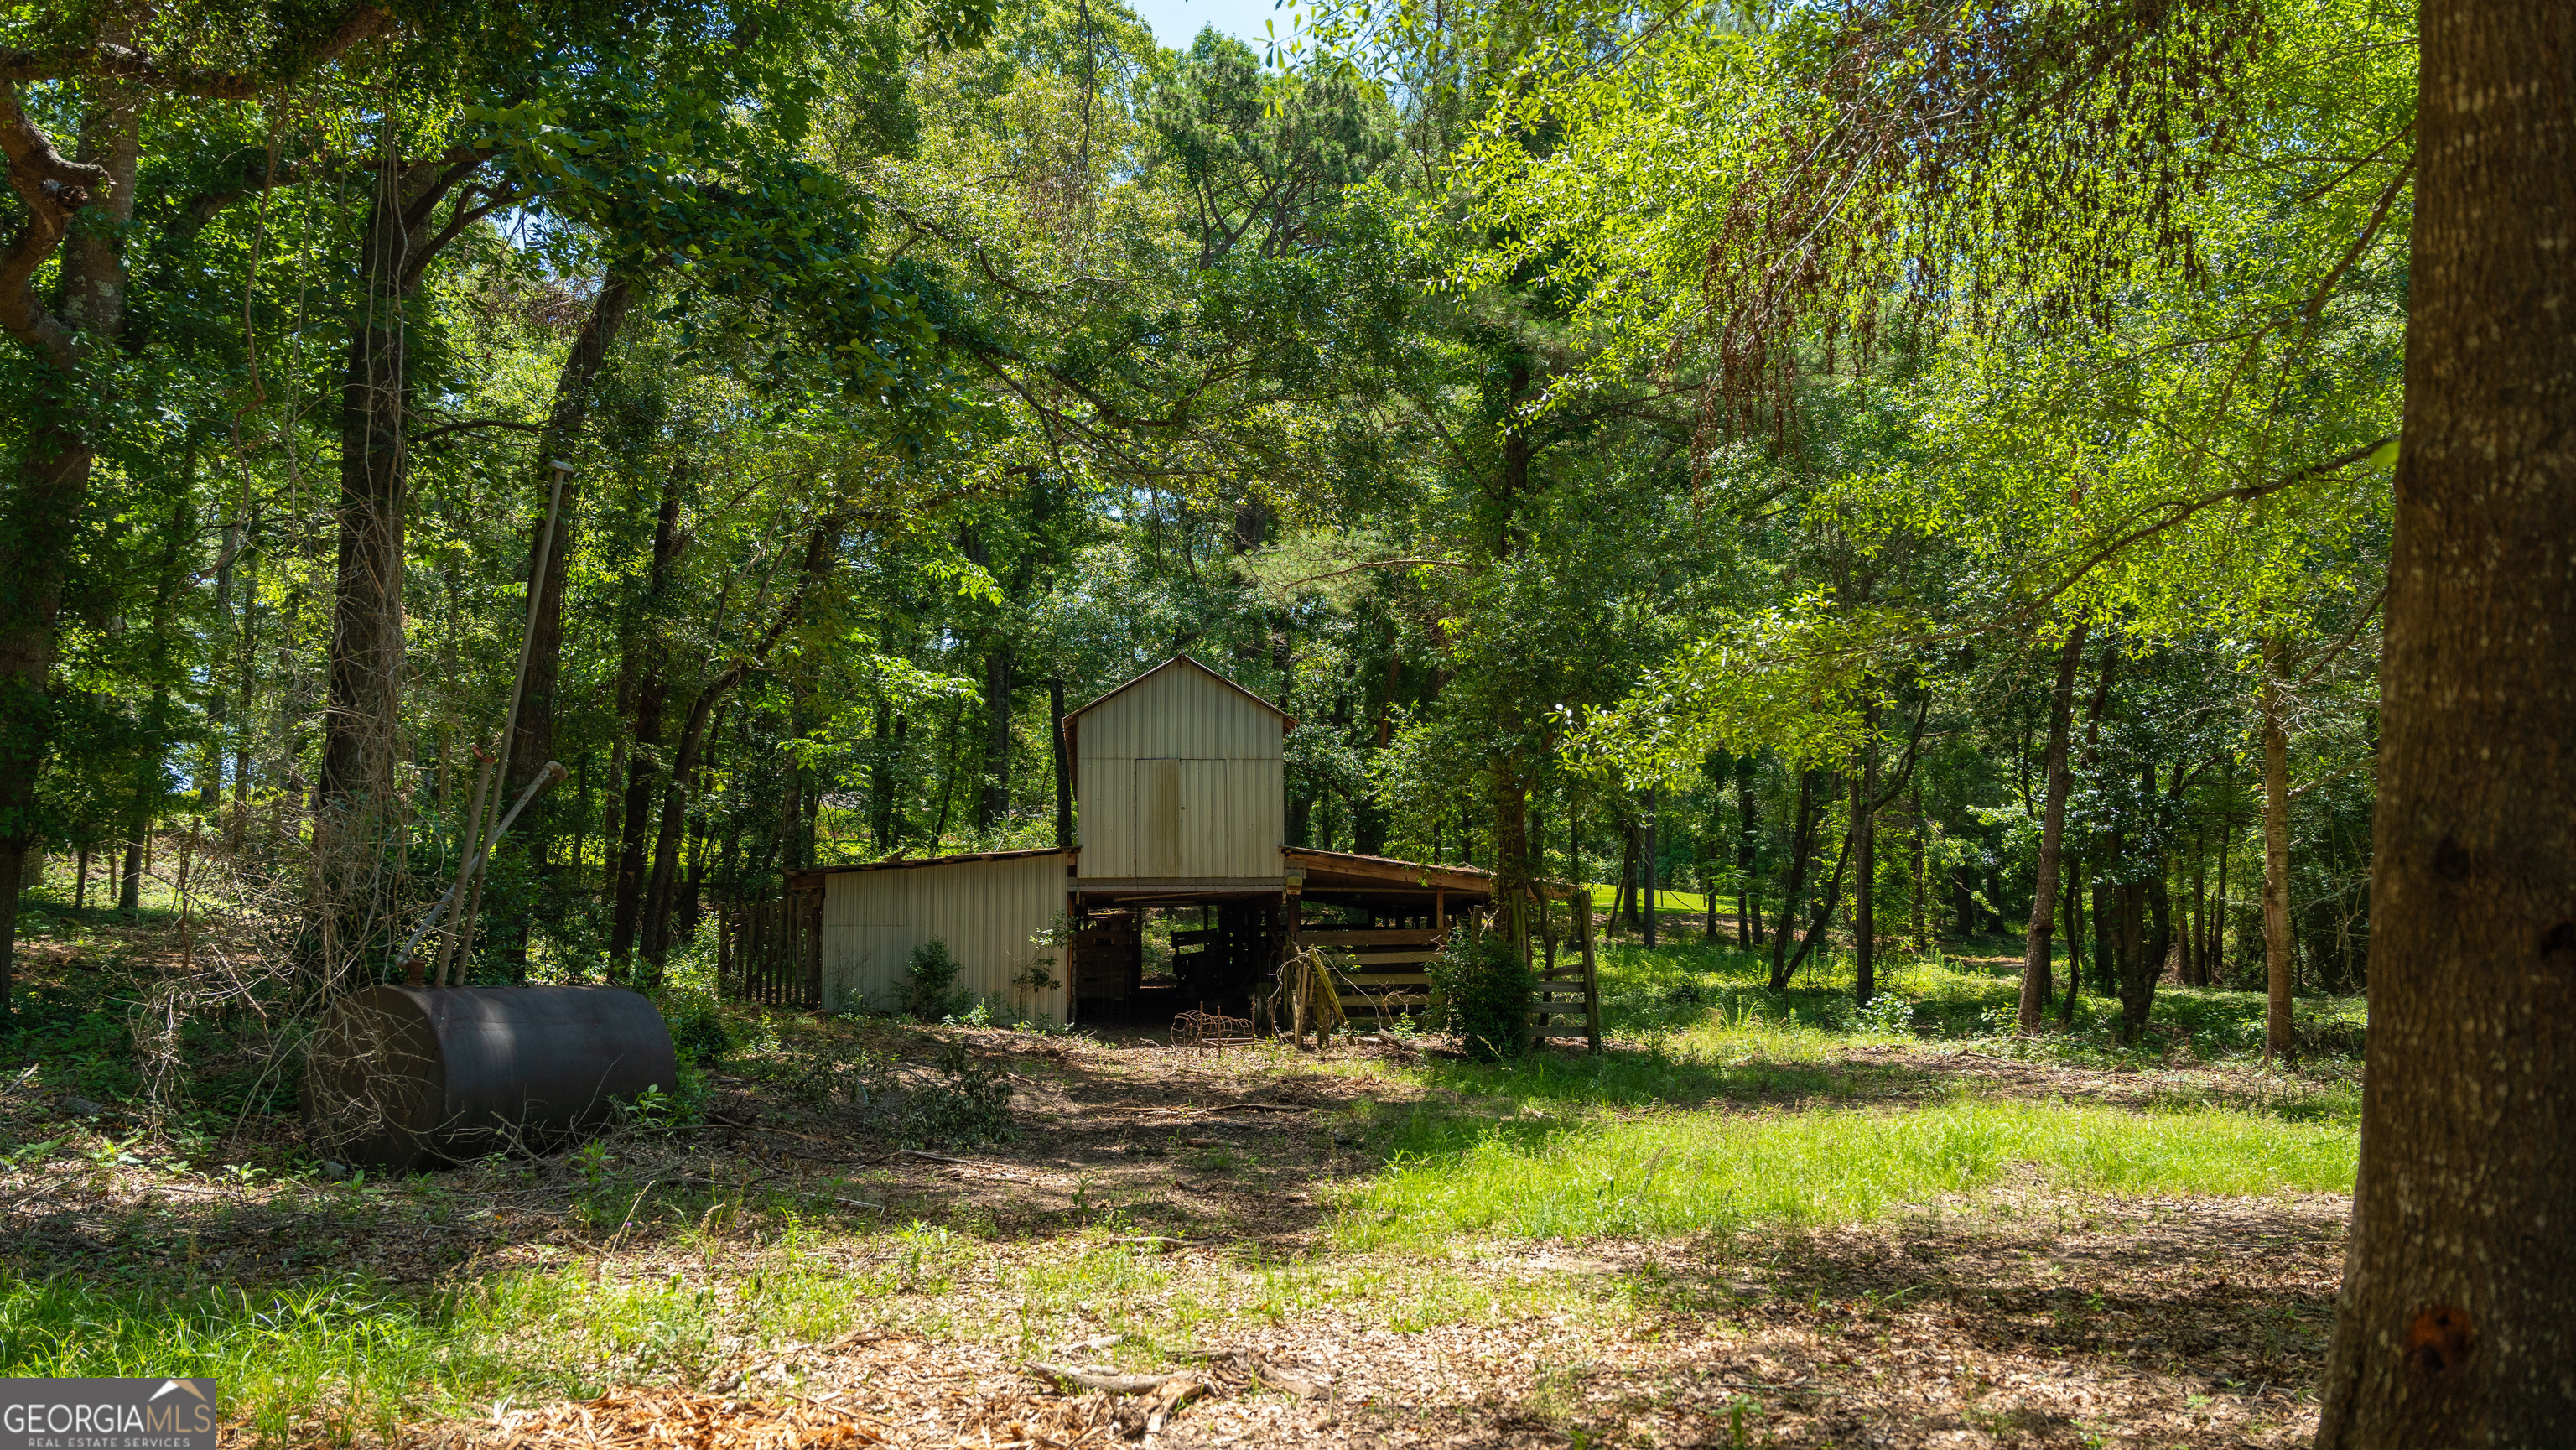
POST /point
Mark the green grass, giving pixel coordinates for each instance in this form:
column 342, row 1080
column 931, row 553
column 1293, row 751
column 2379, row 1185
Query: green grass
column 1712, row 994
column 1721, row 1172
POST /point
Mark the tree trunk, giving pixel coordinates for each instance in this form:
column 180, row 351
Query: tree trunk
column 1624, row 900
column 1748, row 902
column 366, row 652
column 2074, row 868
column 626, row 913
column 1063, row 767
column 996, row 803
column 1512, row 872
column 2218, row 923
column 883, row 780
column 2103, row 917
column 1646, row 871
column 2150, row 934
column 2453, row 1328
column 565, row 421
column 1864, row 850
column 1801, row 843
column 2037, row 943
column 1920, row 880
column 44, row 509
column 2278, row 1034
column 1826, row 902
column 675, row 805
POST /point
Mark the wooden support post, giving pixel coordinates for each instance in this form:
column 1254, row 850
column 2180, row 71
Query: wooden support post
column 1439, row 908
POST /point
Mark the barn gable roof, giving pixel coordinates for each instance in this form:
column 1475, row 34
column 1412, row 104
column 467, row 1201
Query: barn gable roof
column 1073, row 716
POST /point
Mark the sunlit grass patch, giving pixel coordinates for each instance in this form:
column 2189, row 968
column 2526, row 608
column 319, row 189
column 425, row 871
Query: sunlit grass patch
column 1713, row 997
column 1704, row 1172
column 346, row 1353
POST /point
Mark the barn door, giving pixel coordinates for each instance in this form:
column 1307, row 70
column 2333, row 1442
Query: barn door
column 1161, row 819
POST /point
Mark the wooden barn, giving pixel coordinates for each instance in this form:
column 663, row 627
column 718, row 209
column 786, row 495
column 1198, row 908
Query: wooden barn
column 1179, row 809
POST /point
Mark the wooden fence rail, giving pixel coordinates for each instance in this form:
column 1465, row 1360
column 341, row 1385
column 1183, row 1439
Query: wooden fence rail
column 772, row 951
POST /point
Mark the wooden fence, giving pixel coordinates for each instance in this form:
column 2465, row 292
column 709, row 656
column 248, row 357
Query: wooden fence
column 772, row 951
column 1378, row 971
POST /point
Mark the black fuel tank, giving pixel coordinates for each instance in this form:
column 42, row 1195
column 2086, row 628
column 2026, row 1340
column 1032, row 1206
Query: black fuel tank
column 403, row 1078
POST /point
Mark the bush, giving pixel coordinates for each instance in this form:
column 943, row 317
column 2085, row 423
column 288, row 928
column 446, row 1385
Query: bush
column 699, row 1034
column 1481, row 990
column 972, row 1103
column 930, row 990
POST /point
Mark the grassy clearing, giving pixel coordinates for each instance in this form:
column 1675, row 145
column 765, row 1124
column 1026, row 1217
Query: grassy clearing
column 1722, row 1108
column 1709, row 1172
column 1713, row 994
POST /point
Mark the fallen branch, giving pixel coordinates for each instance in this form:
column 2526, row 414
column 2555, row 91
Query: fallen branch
column 1092, row 1379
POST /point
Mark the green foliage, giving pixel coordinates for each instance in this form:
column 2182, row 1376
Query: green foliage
column 699, row 1032
column 969, row 1104
column 683, row 1108
column 930, row 990
column 1481, row 991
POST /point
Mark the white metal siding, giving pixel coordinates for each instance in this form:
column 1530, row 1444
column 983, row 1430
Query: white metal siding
column 986, row 911
column 1179, row 776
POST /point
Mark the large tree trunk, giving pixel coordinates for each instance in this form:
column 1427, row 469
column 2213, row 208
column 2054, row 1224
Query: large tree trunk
column 366, row 653
column 2454, row 1328
column 44, row 508
column 355, row 811
column 2038, row 942
column 2278, row 1034
column 1512, row 871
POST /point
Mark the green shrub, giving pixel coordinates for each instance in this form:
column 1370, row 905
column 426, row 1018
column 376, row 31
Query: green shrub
column 1481, row 990
column 699, row 1034
column 970, row 1104
column 930, row 990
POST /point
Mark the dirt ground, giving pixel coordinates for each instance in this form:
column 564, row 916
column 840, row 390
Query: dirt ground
column 2017, row 1317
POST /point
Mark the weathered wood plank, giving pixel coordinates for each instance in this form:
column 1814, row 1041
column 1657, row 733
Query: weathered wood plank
column 1389, row 936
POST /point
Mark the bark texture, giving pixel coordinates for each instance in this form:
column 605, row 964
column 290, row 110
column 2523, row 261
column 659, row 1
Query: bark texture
column 2454, row 1326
